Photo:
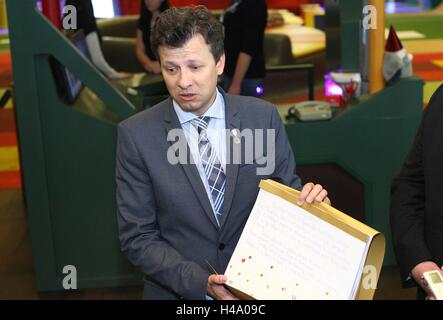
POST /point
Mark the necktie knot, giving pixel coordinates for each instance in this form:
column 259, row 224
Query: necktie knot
column 201, row 123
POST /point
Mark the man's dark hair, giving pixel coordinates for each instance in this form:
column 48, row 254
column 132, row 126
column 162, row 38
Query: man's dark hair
column 176, row 26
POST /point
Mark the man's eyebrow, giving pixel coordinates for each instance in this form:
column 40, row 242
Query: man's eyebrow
column 195, row 61
column 186, row 61
column 169, row 63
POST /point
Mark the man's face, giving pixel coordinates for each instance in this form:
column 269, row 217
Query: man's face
column 191, row 74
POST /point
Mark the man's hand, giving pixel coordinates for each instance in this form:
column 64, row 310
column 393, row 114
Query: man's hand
column 417, row 274
column 216, row 288
column 313, row 193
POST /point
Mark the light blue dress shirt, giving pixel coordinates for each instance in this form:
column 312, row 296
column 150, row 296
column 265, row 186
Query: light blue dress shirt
column 216, row 135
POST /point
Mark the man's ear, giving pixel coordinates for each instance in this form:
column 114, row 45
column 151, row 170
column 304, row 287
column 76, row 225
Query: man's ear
column 221, row 64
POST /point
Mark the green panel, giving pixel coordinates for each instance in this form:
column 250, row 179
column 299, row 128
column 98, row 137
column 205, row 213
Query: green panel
column 350, row 50
column 343, row 21
column 370, row 141
column 351, row 12
column 68, row 158
column 80, row 157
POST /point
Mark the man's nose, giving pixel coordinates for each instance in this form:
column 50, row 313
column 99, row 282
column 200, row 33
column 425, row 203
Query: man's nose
column 185, row 79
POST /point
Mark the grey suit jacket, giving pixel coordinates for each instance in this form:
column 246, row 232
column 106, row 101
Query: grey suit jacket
column 166, row 224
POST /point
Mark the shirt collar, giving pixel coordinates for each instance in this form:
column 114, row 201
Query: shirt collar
column 215, row 111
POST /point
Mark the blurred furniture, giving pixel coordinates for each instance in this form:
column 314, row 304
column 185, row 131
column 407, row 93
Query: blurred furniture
column 123, row 27
column 310, row 12
column 118, row 36
column 118, row 40
column 132, row 7
column 304, row 40
column 280, row 66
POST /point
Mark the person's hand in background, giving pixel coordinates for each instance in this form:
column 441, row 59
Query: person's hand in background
column 417, row 274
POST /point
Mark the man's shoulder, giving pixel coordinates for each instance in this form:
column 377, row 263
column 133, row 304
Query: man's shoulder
column 151, row 117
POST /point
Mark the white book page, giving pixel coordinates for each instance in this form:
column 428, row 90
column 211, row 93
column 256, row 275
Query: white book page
column 286, row 252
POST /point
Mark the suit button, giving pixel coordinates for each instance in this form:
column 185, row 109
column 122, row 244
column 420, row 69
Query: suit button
column 221, row 247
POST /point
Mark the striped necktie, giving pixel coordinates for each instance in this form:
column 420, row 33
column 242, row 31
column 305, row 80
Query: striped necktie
column 211, row 164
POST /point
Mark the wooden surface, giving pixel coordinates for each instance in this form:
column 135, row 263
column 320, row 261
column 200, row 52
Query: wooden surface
column 376, row 48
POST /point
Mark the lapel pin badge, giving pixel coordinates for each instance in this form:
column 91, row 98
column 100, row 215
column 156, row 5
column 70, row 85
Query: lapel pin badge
column 236, row 137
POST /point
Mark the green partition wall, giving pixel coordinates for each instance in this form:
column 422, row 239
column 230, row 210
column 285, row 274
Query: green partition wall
column 67, row 156
column 343, row 21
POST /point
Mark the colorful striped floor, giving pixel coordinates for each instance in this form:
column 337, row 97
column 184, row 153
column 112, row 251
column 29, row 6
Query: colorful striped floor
column 9, row 159
column 429, row 67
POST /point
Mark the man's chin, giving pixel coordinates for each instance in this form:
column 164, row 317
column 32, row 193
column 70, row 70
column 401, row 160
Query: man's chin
column 187, row 106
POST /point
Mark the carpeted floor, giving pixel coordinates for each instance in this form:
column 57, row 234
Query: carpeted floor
column 4, row 43
column 9, row 161
column 429, row 67
column 6, row 69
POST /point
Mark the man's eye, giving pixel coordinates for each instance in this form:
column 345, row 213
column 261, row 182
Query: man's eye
column 171, row 70
column 195, row 67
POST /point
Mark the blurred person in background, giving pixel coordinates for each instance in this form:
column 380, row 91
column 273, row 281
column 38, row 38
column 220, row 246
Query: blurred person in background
column 87, row 23
column 416, row 204
column 244, row 23
column 150, row 10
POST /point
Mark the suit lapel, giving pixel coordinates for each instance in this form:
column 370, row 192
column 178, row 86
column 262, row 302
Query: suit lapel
column 232, row 123
column 191, row 172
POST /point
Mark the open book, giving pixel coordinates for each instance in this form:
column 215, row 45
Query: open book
column 309, row 252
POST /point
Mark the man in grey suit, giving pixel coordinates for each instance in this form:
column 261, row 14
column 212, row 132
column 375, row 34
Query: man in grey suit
column 188, row 169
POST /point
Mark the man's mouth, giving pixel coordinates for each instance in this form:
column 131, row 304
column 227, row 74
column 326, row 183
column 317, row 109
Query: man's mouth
column 187, row 96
